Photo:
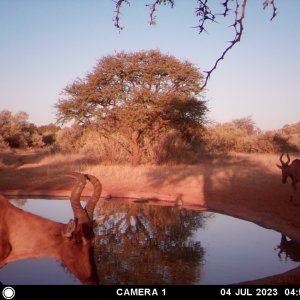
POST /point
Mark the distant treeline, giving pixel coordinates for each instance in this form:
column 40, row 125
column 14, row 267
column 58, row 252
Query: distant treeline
column 17, row 133
column 241, row 135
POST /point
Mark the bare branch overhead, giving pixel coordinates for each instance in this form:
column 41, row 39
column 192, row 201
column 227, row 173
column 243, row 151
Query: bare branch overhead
column 205, row 13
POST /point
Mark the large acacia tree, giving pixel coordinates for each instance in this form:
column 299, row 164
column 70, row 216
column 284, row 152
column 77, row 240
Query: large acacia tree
column 138, row 95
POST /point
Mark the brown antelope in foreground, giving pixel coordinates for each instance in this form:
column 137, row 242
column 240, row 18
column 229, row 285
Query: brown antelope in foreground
column 26, row 235
column 290, row 170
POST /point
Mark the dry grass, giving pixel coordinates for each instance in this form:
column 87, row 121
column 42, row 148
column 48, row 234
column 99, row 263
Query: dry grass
column 59, row 163
column 215, row 176
column 29, row 169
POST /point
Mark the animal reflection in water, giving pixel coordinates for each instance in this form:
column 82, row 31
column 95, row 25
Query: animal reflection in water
column 25, row 235
column 290, row 248
column 126, row 244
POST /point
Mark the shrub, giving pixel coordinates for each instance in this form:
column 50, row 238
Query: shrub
column 229, row 137
column 69, row 138
column 3, row 144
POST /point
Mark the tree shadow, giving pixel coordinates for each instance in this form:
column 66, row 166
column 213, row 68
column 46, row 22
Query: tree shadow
column 245, row 186
column 10, row 159
column 284, row 145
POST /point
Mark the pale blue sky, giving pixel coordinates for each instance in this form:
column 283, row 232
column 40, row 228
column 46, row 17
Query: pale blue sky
column 47, row 44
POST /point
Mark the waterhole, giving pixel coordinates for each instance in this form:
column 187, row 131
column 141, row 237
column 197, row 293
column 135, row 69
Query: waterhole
column 150, row 244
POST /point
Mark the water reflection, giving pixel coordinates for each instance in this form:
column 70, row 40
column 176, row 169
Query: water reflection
column 142, row 244
column 44, row 271
column 289, row 248
column 139, row 244
column 24, row 235
column 21, row 202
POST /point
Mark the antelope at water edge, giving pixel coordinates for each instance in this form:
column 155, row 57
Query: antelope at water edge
column 25, row 235
column 290, row 170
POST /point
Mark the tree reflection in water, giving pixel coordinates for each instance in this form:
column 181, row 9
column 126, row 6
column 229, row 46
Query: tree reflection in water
column 143, row 244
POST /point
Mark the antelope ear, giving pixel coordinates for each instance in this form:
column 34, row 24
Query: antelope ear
column 278, row 166
column 69, row 229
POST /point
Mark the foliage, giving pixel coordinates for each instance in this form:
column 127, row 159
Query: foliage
column 48, row 133
column 69, row 138
column 229, row 137
column 140, row 96
column 287, row 139
column 3, row 144
column 105, row 149
column 242, row 135
column 246, row 124
column 206, row 11
column 17, row 132
column 170, row 147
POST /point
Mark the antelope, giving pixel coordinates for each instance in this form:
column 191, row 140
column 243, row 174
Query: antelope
column 26, row 235
column 290, row 170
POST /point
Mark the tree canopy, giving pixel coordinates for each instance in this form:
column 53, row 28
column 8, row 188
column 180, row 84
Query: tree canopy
column 139, row 95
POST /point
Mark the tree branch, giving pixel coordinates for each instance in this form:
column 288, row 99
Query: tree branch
column 266, row 3
column 238, row 27
column 118, row 5
column 153, row 8
column 204, row 12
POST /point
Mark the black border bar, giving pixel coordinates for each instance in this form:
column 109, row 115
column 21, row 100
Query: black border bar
column 203, row 292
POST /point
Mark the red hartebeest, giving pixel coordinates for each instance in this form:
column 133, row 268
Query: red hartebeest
column 26, row 235
column 290, row 170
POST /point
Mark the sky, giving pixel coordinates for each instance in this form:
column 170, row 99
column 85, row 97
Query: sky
column 46, row 44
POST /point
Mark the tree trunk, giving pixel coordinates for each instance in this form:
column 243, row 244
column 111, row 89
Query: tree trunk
column 136, row 149
column 136, row 156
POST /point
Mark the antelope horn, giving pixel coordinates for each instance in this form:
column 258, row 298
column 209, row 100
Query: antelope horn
column 79, row 213
column 288, row 158
column 95, row 196
column 282, row 162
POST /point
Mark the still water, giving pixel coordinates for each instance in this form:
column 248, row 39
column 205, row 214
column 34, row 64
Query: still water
column 147, row 244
